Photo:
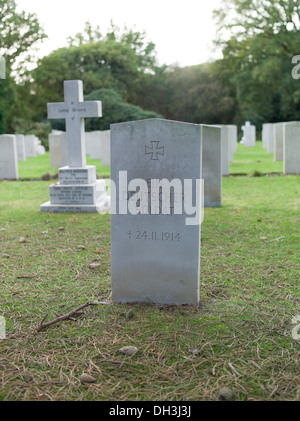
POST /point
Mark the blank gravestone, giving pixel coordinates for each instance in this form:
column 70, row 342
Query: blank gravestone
column 278, row 141
column 291, row 148
column 77, row 190
column 212, row 167
column 39, row 148
column 98, row 145
column 30, row 149
column 105, row 148
column 58, row 149
column 8, row 158
column 267, row 137
column 225, row 150
column 232, row 133
column 155, row 250
column 20, row 142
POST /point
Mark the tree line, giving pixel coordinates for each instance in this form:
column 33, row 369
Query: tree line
column 252, row 81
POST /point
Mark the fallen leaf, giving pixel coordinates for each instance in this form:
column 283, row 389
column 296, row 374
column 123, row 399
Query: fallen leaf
column 128, row 350
column 60, row 229
column 188, row 358
column 87, row 379
column 22, row 240
column 80, row 247
column 94, row 265
column 5, row 256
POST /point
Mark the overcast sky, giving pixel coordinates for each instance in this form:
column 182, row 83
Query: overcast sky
column 182, row 30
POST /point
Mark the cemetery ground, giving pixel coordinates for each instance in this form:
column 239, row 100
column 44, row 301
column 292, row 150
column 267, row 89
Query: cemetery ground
column 239, row 337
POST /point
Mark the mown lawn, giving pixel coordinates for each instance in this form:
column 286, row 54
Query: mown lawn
column 239, row 337
column 254, row 160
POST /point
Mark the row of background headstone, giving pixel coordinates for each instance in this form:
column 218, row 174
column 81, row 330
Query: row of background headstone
column 278, row 138
column 97, row 146
column 283, row 140
column 16, row 148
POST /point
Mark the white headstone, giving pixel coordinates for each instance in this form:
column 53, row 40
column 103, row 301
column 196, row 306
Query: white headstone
column 8, row 157
column 291, row 148
column 155, row 248
column 268, row 137
column 233, row 132
column 212, row 166
column 58, row 149
column 78, row 189
column 30, row 149
column 20, row 141
column 278, row 141
column 40, row 150
column 225, row 152
column 98, row 145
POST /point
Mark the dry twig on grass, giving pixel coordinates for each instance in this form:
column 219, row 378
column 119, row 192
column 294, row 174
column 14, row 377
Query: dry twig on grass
column 61, row 318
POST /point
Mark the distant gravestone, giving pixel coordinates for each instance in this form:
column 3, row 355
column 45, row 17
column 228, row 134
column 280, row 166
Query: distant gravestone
column 20, row 142
column 249, row 137
column 8, row 157
column 264, row 136
column 98, row 145
column 225, row 150
column 105, row 148
column 77, row 190
column 39, row 148
column 232, row 128
column 211, row 166
column 291, row 148
column 268, row 137
column 156, row 165
column 278, row 141
column 30, row 142
column 58, row 149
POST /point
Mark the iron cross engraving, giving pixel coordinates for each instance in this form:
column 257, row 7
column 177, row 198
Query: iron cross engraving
column 154, row 150
column 74, row 110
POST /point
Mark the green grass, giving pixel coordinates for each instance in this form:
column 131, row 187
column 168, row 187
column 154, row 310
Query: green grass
column 242, row 329
column 249, row 160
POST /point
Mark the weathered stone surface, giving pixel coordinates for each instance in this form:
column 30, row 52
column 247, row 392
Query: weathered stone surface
column 155, row 257
column 212, row 168
column 8, row 157
column 278, row 141
column 291, row 148
column 58, row 149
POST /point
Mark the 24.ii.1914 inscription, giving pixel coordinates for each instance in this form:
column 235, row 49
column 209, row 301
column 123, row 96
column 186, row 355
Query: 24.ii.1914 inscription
column 154, row 236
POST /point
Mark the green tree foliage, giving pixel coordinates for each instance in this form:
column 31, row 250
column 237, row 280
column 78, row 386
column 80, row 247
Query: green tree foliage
column 256, row 65
column 115, row 61
column 192, row 94
column 19, row 32
column 115, row 110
